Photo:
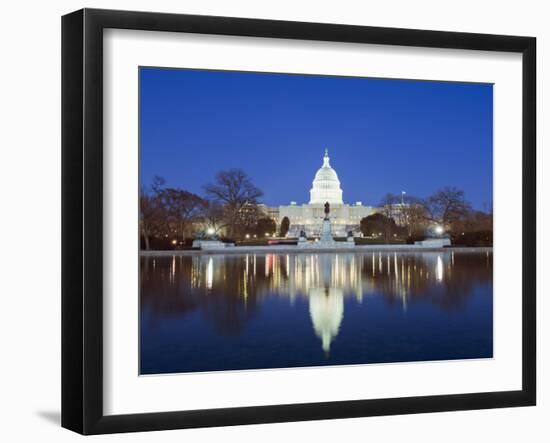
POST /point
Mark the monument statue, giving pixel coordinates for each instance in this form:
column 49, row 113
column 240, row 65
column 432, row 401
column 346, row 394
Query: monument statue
column 327, row 210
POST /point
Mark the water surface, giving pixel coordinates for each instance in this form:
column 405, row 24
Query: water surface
column 253, row 311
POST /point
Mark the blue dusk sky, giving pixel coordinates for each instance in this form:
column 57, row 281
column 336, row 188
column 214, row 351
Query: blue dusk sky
column 382, row 135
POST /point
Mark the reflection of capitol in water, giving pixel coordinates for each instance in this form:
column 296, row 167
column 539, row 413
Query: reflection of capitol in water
column 326, row 280
column 236, row 311
column 326, row 308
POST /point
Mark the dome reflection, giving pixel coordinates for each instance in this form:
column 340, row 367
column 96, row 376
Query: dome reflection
column 326, row 308
column 229, row 289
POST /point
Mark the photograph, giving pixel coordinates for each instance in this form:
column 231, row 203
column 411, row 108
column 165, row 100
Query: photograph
column 295, row 220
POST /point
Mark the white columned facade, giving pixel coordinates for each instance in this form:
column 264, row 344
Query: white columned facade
column 309, row 216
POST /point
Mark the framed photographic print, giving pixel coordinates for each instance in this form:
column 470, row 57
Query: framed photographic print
column 270, row 221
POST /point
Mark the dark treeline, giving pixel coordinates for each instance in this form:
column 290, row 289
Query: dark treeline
column 411, row 218
column 230, row 209
column 172, row 217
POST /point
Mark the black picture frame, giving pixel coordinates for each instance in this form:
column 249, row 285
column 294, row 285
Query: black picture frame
column 82, row 218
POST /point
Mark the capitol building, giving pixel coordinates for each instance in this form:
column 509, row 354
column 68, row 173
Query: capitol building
column 308, row 217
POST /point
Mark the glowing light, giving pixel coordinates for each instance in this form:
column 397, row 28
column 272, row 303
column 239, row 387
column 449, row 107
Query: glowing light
column 209, row 273
column 287, row 266
column 439, row 269
column 210, row 231
column 173, row 269
column 439, row 230
column 247, row 235
column 174, row 242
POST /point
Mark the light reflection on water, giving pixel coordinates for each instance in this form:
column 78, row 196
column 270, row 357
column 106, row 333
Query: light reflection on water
column 215, row 312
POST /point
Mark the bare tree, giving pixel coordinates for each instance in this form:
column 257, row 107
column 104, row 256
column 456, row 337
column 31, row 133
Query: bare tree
column 447, row 206
column 183, row 209
column 168, row 212
column 412, row 215
column 391, row 207
column 415, row 218
column 213, row 217
column 152, row 216
column 236, row 192
column 158, row 184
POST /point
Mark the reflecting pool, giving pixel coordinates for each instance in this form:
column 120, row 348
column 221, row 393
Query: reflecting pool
column 252, row 311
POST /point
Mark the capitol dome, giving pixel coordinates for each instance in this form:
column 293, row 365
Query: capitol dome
column 326, row 186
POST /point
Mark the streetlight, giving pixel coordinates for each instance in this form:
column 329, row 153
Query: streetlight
column 210, row 231
column 439, row 230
